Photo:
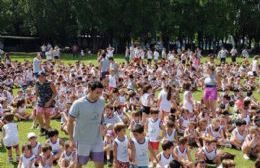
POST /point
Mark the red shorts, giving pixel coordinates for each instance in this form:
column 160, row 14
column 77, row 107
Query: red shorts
column 154, row 145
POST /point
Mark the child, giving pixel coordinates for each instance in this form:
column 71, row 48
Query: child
column 216, row 131
column 110, row 117
column 192, row 135
column 20, row 110
column 47, row 158
column 108, row 148
column 183, row 121
column 209, row 152
column 27, row 159
column 10, row 134
column 140, row 146
column 250, row 146
column 56, row 143
column 181, row 152
column 187, row 98
column 64, row 118
column 36, row 146
column 68, row 156
column 165, row 157
column 154, row 126
column 170, row 132
column 136, row 119
column 120, row 151
column 238, row 134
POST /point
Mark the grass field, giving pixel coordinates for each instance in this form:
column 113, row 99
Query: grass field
column 25, row 127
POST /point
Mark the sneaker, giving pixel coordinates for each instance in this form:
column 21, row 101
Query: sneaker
column 245, row 156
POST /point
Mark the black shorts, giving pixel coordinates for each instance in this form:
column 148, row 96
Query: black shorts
column 223, row 60
column 146, row 110
column 209, row 161
column 56, row 57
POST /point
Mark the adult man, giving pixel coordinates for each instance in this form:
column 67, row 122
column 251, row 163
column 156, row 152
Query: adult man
column 233, row 53
column 46, row 93
column 222, row 54
column 104, row 66
column 36, row 64
column 87, row 114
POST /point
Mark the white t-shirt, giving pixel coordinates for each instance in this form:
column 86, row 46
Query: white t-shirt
column 222, row 53
column 11, row 134
column 122, row 149
column 36, row 65
column 112, row 81
column 186, row 104
column 149, row 54
column 165, row 104
column 142, row 153
column 254, row 65
column 233, row 52
column 156, row 55
column 153, row 129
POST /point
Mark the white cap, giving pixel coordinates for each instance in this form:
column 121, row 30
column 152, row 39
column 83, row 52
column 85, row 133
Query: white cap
column 31, row 135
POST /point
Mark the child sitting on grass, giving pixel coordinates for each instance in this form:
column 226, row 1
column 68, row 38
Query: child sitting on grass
column 27, row 160
column 68, row 156
column 10, row 134
column 20, row 110
column 56, row 144
column 166, row 156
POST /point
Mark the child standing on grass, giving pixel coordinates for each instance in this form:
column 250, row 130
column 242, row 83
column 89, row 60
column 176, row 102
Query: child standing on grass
column 140, row 147
column 154, row 126
column 121, row 145
column 10, row 134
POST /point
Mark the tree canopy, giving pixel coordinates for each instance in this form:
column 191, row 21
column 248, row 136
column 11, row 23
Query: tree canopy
column 62, row 21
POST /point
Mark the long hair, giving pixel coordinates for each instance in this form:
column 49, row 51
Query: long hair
column 169, row 92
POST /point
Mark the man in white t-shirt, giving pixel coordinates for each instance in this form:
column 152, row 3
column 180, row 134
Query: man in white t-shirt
column 110, row 52
column 222, row 54
column 233, row 53
column 156, row 56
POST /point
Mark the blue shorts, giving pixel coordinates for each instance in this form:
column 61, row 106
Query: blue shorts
column 94, row 152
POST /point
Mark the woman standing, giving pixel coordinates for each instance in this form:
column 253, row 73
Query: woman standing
column 210, row 89
column 46, row 93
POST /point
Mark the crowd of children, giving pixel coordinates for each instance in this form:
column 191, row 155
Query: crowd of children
column 147, row 122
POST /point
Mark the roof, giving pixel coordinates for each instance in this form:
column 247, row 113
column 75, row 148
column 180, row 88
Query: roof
column 18, row 37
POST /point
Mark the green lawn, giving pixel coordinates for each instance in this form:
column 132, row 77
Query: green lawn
column 25, row 127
